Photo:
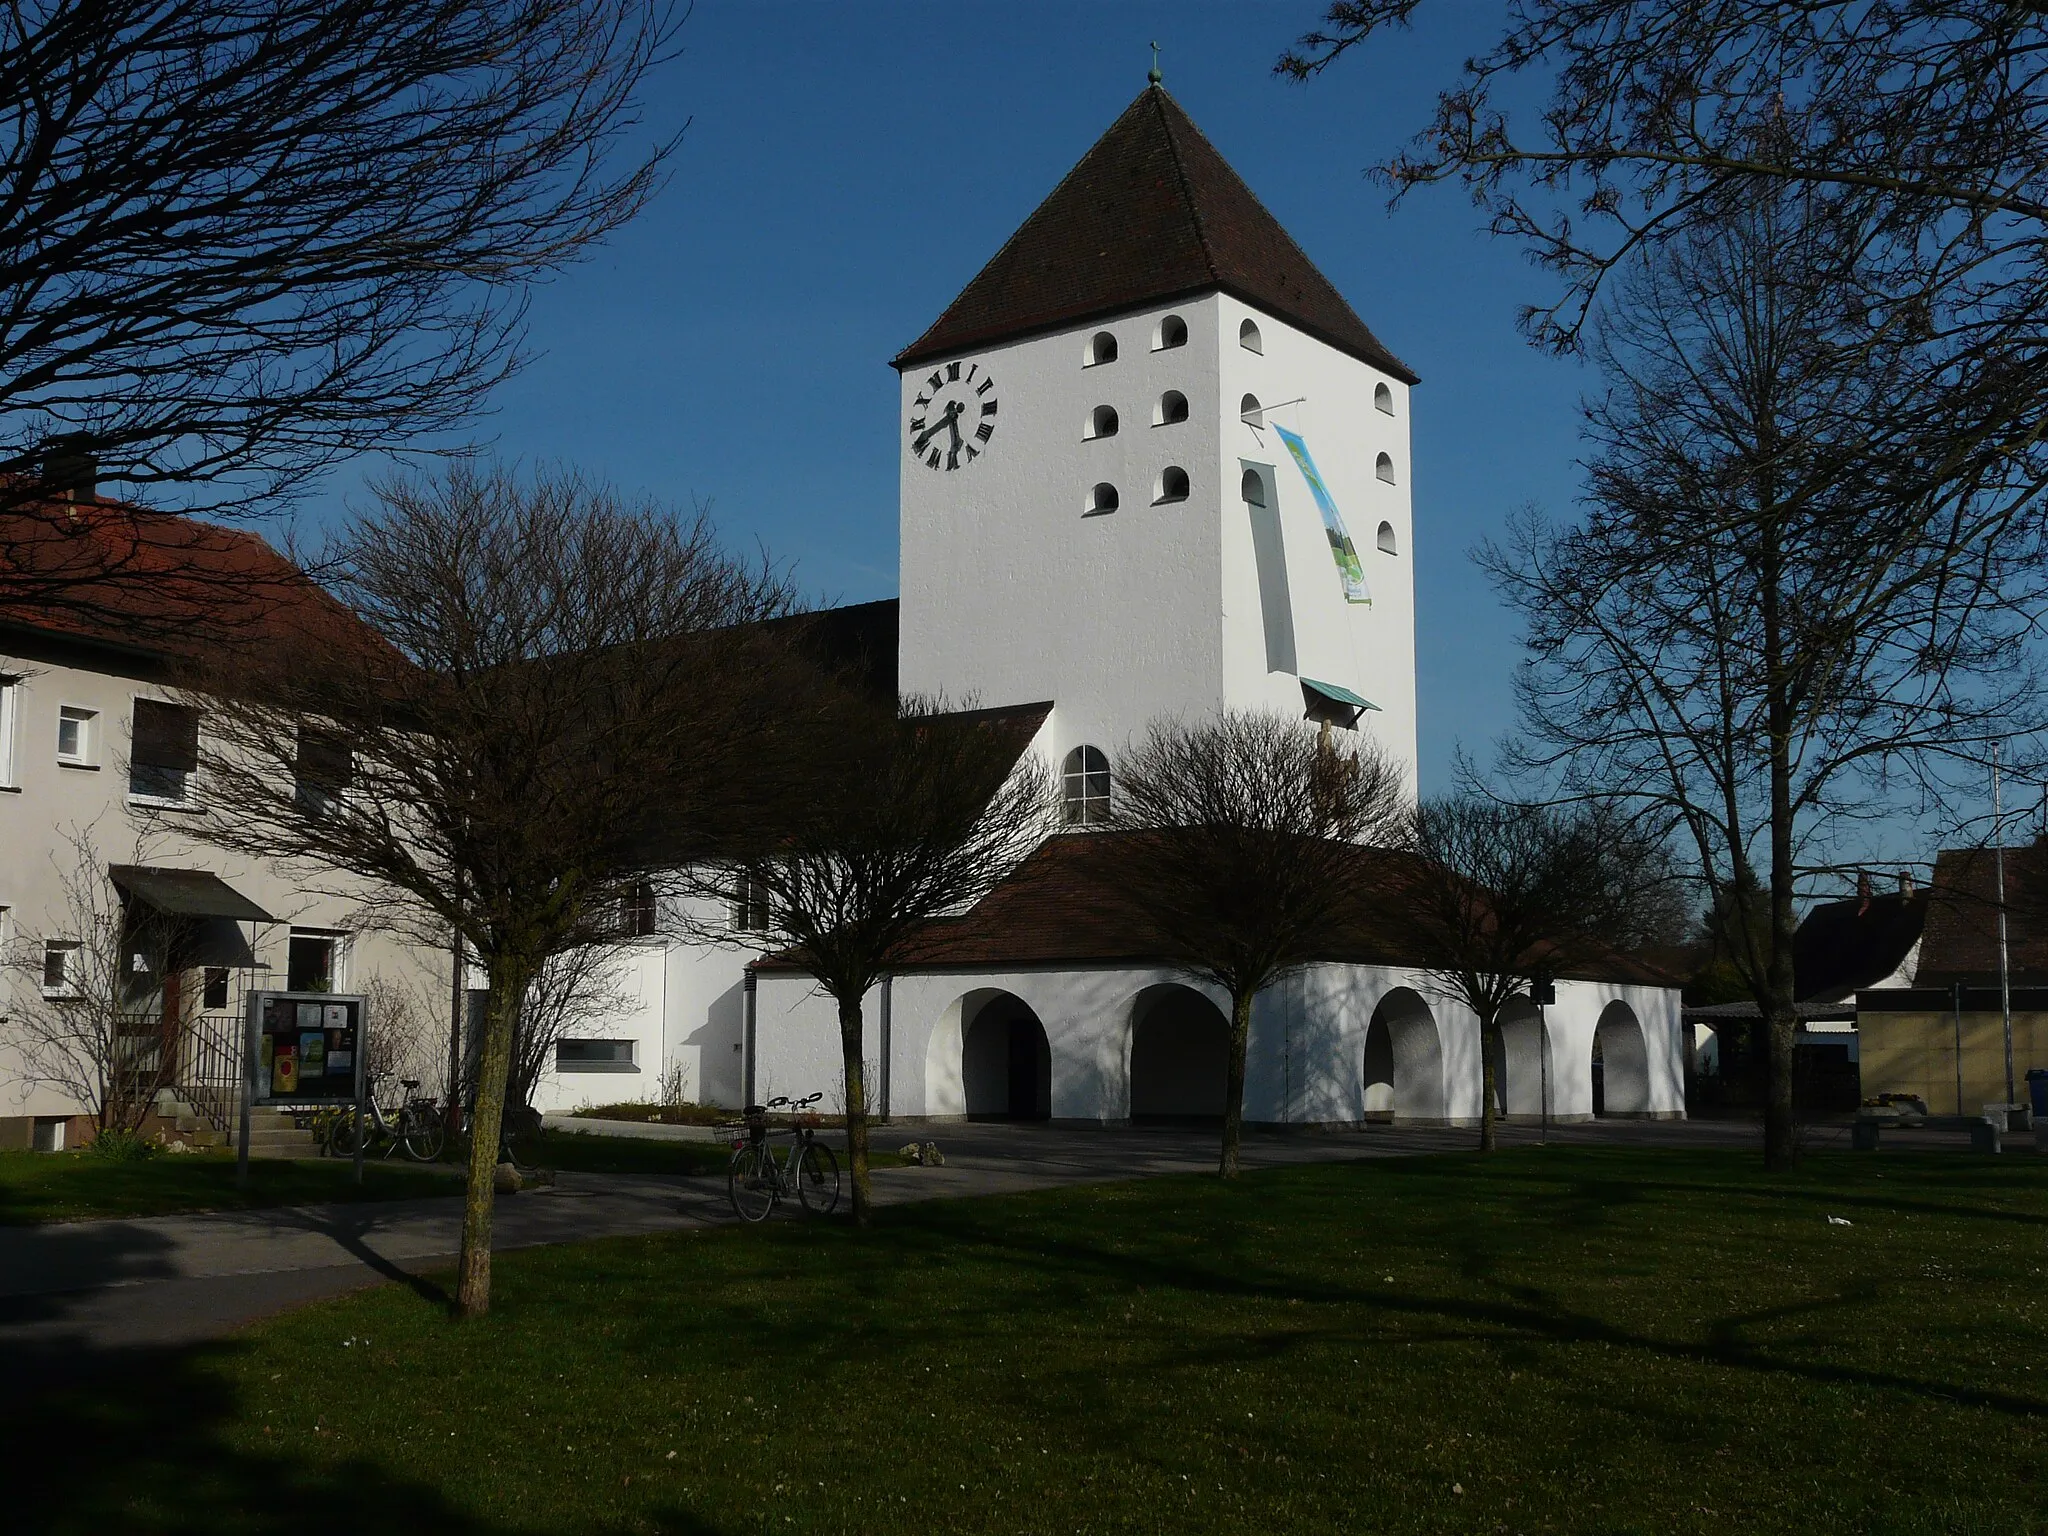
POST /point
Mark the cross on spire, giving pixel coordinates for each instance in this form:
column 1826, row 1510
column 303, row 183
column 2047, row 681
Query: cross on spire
column 1153, row 75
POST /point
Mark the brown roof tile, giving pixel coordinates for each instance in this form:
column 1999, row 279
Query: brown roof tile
column 1151, row 213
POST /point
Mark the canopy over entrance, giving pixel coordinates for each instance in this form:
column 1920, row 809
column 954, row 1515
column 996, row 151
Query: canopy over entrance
column 186, row 893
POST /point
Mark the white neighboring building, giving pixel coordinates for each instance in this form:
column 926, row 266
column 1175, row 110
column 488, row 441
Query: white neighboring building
column 98, row 767
column 1104, row 521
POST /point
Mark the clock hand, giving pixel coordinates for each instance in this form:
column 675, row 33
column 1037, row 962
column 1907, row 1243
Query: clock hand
column 947, row 421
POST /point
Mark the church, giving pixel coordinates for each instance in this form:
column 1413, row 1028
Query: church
column 1152, row 463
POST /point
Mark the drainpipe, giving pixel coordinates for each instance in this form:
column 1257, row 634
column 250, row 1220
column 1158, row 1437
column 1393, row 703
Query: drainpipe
column 747, row 1042
column 888, row 998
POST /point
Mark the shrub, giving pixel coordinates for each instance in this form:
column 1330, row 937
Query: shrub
column 122, row 1146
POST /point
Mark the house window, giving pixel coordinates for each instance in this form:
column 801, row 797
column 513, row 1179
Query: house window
column 1086, row 785
column 77, row 735
column 1383, row 466
column 1173, row 332
column 1388, row 543
column 1101, row 498
column 749, row 905
column 1173, row 485
column 63, row 960
column 1251, row 412
column 1173, row 408
column 1248, row 338
column 594, row 1056
column 1383, row 399
column 163, row 751
column 324, row 768
column 214, row 995
column 639, row 912
column 10, row 714
column 312, row 961
column 1101, row 422
column 1253, row 488
column 1101, row 349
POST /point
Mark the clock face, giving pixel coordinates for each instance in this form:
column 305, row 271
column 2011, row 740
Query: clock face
column 953, row 416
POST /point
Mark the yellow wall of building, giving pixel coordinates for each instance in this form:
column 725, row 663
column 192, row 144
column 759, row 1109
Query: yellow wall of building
column 1916, row 1053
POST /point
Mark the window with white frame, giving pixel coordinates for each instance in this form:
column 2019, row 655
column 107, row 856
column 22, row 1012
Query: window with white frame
column 639, row 911
column 63, row 963
column 1086, row 786
column 163, row 751
column 322, row 769
column 313, row 961
column 749, row 904
column 78, row 732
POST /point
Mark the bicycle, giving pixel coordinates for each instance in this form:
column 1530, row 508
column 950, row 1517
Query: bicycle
column 757, row 1183
column 416, row 1125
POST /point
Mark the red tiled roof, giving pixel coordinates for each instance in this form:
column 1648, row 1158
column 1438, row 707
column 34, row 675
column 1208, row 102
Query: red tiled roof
column 1066, row 905
column 155, row 584
column 1151, row 213
column 1960, row 941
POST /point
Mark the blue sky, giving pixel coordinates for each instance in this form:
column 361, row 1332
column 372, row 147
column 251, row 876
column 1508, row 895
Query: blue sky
column 848, row 168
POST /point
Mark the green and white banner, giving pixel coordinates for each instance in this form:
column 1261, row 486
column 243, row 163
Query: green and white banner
column 1342, row 550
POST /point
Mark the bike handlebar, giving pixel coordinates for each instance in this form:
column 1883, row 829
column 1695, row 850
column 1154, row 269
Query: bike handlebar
column 784, row 1099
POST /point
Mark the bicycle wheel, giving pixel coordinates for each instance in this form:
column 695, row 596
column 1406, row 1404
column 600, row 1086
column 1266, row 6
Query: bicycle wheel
column 424, row 1134
column 751, row 1183
column 817, row 1178
column 341, row 1133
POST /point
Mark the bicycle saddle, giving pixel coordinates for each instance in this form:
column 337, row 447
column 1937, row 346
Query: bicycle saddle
column 408, row 1082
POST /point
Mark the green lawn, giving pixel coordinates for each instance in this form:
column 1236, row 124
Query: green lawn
column 1553, row 1340
column 68, row 1186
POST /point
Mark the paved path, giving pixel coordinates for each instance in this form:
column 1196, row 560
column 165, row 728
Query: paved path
column 77, row 1291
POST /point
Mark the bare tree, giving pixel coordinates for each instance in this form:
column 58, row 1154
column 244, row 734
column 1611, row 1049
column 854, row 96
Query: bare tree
column 98, row 1012
column 1242, row 845
column 1502, row 898
column 1772, row 628
column 575, row 989
column 245, row 238
column 915, row 814
column 547, row 693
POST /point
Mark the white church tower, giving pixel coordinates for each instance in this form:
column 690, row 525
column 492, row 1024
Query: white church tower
column 1154, row 463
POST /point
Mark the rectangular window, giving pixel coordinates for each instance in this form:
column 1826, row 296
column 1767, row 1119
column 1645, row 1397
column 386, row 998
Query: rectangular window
column 10, row 715
column 76, row 730
column 749, row 905
column 60, row 968
column 594, row 1056
column 325, row 766
column 215, row 996
column 164, row 751
column 639, row 912
column 312, row 961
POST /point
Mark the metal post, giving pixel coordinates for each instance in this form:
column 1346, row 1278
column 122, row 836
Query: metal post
column 362, row 1034
column 1959, row 1046
column 458, row 997
column 249, row 1032
column 2004, row 961
column 888, row 1044
column 1543, row 1059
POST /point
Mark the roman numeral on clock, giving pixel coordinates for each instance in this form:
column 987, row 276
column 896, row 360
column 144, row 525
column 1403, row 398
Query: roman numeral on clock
column 985, row 431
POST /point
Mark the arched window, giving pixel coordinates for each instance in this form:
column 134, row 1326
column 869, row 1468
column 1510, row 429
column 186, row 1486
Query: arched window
column 1173, row 407
column 1388, row 545
column 1102, row 498
column 1173, row 332
column 1086, row 786
column 1101, row 349
column 1173, row 485
column 1252, row 413
column 1101, row 422
column 1253, row 488
column 1383, row 466
column 1248, row 338
column 1383, row 399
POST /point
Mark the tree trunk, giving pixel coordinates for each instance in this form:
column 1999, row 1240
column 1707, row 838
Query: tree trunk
column 1780, row 985
column 850, row 1026
column 1233, row 1081
column 494, row 1067
column 1489, row 1037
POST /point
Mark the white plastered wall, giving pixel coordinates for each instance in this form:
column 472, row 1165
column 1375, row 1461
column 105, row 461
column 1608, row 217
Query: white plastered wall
column 1305, row 1060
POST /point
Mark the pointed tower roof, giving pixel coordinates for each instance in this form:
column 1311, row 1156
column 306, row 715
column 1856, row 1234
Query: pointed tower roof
column 1150, row 214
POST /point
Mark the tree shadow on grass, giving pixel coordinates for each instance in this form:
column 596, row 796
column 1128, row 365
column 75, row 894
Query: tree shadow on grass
column 148, row 1448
